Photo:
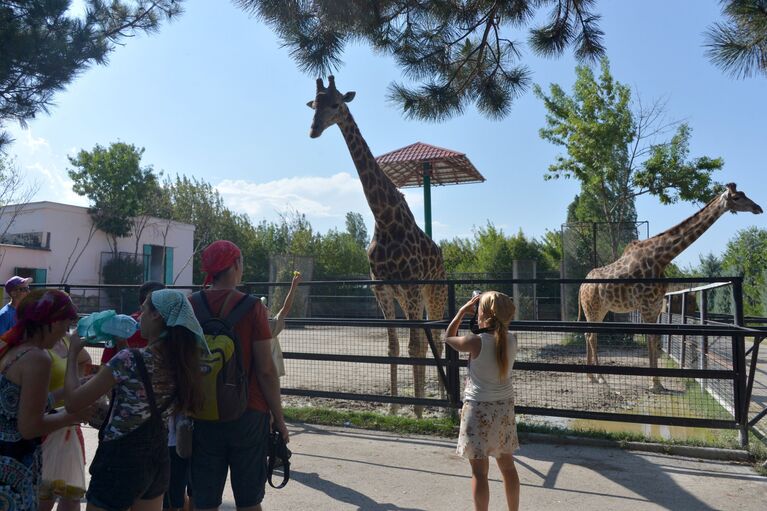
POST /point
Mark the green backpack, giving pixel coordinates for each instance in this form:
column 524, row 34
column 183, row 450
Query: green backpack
column 224, row 382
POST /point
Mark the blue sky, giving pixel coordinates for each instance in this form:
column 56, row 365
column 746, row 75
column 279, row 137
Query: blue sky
column 213, row 95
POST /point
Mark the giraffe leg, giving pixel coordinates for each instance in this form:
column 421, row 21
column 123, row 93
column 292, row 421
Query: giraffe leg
column 589, row 301
column 653, row 350
column 385, row 298
column 436, row 299
column 417, row 349
column 591, row 356
column 417, row 344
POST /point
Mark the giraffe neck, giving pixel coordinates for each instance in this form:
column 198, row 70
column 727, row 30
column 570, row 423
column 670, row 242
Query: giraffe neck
column 381, row 194
column 674, row 241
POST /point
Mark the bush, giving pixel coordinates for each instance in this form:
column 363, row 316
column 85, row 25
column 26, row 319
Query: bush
column 123, row 270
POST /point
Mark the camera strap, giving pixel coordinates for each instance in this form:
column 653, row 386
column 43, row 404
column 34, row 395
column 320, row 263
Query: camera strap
column 279, row 451
column 474, row 327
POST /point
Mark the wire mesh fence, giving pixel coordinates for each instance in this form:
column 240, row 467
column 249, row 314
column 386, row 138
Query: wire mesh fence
column 543, row 377
column 369, row 363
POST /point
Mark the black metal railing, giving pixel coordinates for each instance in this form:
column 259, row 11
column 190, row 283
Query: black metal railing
column 349, row 359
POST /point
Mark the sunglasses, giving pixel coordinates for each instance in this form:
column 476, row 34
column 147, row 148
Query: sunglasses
column 25, row 289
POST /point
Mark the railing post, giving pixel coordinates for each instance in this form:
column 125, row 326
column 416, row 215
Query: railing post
column 703, row 362
column 683, row 348
column 739, row 365
column 670, row 320
column 454, row 388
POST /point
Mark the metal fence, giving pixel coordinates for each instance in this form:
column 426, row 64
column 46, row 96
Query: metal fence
column 711, row 351
column 348, row 362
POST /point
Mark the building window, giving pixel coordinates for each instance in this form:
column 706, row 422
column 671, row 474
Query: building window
column 158, row 264
column 39, row 275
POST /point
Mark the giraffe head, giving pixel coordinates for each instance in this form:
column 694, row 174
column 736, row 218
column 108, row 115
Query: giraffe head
column 735, row 201
column 328, row 106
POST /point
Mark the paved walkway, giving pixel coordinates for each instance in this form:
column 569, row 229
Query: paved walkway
column 350, row 469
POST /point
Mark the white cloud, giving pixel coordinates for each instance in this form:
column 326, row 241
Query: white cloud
column 55, row 185
column 324, row 200
column 34, row 144
column 316, row 197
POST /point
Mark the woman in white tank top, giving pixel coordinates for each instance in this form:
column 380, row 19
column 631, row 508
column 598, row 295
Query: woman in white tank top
column 488, row 426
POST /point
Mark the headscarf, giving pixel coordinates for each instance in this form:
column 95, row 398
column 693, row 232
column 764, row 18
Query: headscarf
column 41, row 306
column 217, row 257
column 176, row 310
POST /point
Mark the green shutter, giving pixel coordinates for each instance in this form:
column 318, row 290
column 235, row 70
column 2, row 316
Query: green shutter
column 168, row 265
column 147, row 263
column 40, row 276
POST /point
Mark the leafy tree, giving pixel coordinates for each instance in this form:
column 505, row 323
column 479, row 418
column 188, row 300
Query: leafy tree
column 458, row 255
column 746, row 255
column 738, row 46
column 458, row 53
column 196, row 202
column 491, row 252
column 719, row 299
column 355, row 226
column 116, row 184
column 339, row 255
column 551, row 249
column 610, row 150
column 44, row 46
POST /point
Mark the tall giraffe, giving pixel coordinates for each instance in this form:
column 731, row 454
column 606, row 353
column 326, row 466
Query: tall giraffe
column 399, row 250
column 649, row 259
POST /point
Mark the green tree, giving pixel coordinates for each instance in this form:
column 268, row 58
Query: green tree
column 458, row 53
column 551, row 249
column 738, row 46
column 746, row 256
column 116, row 184
column 44, row 46
column 355, row 226
column 339, row 255
column 610, row 150
column 458, row 256
column 491, row 252
column 196, row 202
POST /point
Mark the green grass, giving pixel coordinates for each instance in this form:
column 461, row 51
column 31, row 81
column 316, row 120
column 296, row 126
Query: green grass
column 445, row 427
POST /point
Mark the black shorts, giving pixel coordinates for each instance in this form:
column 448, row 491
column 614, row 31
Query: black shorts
column 130, row 468
column 179, row 481
column 240, row 445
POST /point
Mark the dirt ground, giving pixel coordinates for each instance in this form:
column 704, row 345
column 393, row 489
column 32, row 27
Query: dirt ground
column 621, row 393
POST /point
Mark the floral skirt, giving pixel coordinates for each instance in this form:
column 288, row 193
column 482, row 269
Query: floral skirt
column 488, row 428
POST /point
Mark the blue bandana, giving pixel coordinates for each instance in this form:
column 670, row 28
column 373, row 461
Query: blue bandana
column 176, row 310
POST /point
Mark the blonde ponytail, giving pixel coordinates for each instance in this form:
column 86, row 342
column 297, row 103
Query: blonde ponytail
column 499, row 309
column 501, row 335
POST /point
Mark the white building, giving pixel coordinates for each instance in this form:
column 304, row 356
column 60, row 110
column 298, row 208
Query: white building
column 49, row 242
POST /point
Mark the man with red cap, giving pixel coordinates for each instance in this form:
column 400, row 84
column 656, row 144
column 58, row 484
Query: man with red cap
column 17, row 288
column 239, row 444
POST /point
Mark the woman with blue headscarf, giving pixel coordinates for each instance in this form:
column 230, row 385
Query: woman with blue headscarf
column 131, row 467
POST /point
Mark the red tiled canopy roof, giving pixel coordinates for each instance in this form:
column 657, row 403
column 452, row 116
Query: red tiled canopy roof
column 405, row 166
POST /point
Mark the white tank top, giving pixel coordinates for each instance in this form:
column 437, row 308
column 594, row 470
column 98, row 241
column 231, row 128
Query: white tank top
column 483, row 382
